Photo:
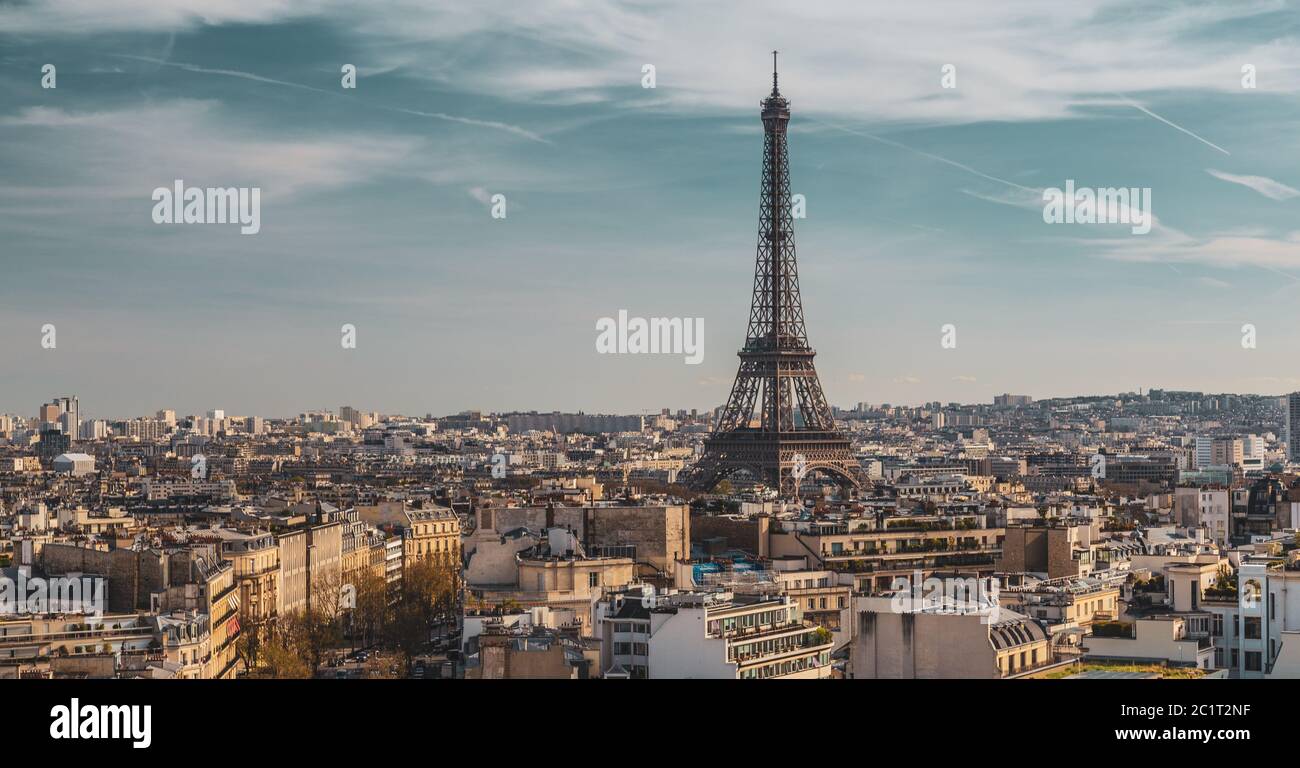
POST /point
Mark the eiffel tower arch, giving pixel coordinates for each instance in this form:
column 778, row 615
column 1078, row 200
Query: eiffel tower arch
column 776, row 425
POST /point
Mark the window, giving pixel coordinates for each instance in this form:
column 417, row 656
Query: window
column 1253, row 663
column 1253, row 625
column 593, row 579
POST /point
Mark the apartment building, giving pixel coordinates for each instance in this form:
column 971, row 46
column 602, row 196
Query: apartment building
column 943, row 641
column 823, row 600
column 554, row 572
column 311, row 557
column 255, row 558
column 1251, row 622
column 1206, row 507
column 69, row 643
column 654, row 536
column 432, row 534
column 530, row 652
column 715, row 635
column 190, row 578
column 1064, row 602
column 875, row 557
column 1056, row 548
column 1166, row 640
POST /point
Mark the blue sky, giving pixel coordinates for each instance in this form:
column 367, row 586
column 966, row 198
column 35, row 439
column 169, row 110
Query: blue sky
column 924, row 203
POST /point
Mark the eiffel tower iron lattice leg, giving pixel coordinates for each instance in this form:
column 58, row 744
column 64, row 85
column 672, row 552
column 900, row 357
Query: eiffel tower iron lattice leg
column 793, row 432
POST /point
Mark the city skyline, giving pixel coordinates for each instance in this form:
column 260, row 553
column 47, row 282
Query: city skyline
column 672, row 410
column 922, row 202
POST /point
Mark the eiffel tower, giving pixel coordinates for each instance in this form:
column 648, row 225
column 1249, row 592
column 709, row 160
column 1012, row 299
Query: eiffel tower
column 776, row 361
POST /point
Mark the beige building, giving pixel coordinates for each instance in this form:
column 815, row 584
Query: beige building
column 177, row 579
column 1157, row 639
column 653, row 536
column 255, row 558
column 506, row 654
column 1056, row 549
column 432, row 534
column 37, row 642
column 1064, row 602
column 555, row 573
column 311, row 557
column 929, row 644
column 823, row 600
column 876, row 557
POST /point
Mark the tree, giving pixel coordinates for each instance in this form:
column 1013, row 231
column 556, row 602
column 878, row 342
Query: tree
column 433, row 586
column 284, row 652
column 373, row 610
column 321, row 624
column 408, row 631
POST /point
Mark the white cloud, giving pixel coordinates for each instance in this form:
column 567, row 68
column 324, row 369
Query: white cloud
column 128, row 152
column 1224, row 250
column 1274, row 190
column 1016, row 59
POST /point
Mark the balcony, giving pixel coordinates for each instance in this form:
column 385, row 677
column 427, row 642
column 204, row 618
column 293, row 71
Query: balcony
column 86, row 634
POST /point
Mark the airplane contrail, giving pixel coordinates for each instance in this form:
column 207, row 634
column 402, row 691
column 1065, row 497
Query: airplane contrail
column 516, row 130
column 1171, row 124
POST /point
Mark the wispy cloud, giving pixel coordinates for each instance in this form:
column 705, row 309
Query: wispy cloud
column 1224, row 250
column 1017, row 60
column 1274, row 190
column 137, row 148
column 492, row 124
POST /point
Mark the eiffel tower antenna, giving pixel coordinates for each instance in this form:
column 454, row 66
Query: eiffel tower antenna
column 795, row 431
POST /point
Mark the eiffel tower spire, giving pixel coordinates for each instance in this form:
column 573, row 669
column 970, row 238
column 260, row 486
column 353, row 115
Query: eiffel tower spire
column 792, row 432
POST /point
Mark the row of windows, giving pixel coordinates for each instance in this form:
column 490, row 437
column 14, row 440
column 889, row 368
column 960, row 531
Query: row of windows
column 1026, row 659
column 786, row 667
column 1254, row 659
column 765, row 647
column 436, row 545
column 1253, row 629
column 819, row 604
column 749, row 620
column 433, row 528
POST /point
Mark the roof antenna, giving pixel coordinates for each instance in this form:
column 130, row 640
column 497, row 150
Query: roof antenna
column 774, row 90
